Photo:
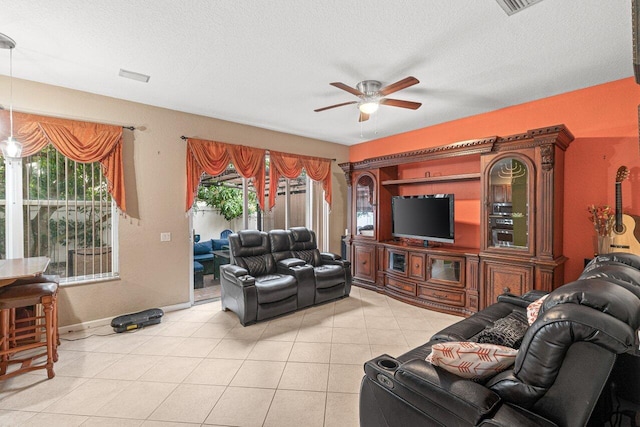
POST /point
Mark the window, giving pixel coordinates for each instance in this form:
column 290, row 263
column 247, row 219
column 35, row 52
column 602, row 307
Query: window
column 299, row 203
column 67, row 215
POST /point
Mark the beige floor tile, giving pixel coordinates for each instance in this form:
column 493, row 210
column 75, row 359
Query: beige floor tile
column 228, row 318
column 111, row 422
column 278, row 332
column 14, row 418
column 87, row 365
column 196, row 347
column 381, row 322
column 189, row 403
column 389, row 349
column 151, row 423
column 292, row 319
column 207, row 349
column 307, row 405
column 305, row 376
column 214, row 372
column 251, row 332
column 386, row 336
column 342, row 410
column 89, row 397
column 170, row 369
column 416, row 338
column 377, row 311
column 241, row 406
column 77, row 343
column 55, row 420
column 159, row 346
column 199, row 316
column 180, row 329
column 271, row 350
column 350, row 354
column 349, row 321
column 212, row 330
column 413, row 324
column 137, row 401
column 317, row 319
column 258, row 373
column 314, row 334
column 345, row 378
column 121, row 343
column 129, row 367
column 310, row 352
column 232, row 349
column 35, row 393
column 350, row 336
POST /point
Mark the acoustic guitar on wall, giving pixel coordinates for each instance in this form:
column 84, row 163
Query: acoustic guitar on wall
column 623, row 237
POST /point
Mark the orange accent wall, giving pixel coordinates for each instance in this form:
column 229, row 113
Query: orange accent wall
column 604, row 121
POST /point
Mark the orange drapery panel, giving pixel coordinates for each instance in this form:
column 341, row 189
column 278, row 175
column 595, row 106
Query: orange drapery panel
column 82, row 142
column 213, row 158
column 291, row 165
column 249, row 162
column 204, row 156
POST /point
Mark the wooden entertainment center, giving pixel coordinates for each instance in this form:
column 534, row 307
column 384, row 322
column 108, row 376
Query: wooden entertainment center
column 508, row 220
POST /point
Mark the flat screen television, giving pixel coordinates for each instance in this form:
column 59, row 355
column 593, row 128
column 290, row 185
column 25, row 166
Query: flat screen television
column 428, row 218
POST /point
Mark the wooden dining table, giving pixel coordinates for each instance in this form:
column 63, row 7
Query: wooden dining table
column 21, row 268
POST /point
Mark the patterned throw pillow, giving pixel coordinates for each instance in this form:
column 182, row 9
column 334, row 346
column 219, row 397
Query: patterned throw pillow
column 472, row 360
column 534, row 308
column 507, row 331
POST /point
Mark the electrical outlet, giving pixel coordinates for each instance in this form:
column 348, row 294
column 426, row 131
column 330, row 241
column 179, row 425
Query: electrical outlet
column 165, row 237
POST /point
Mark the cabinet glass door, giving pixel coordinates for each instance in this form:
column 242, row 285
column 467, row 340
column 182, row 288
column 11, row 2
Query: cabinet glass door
column 365, row 206
column 509, row 204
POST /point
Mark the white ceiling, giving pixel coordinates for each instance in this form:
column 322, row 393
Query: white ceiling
column 269, row 63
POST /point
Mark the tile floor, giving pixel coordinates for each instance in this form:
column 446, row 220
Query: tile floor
column 200, row 367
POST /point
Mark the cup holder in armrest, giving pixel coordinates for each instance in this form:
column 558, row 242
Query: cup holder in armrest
column 388, row 364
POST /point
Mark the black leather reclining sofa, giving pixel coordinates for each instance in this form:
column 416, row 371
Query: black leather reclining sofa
column 560, row 370
column 274, row 273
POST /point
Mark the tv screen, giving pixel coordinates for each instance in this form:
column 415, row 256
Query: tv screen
column 423, row 217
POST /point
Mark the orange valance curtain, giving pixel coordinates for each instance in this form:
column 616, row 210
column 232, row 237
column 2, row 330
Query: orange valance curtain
column 82, row 142
column 213, row 158
column 291, row 165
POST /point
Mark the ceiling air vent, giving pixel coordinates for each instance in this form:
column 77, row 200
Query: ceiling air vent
column 513, row 6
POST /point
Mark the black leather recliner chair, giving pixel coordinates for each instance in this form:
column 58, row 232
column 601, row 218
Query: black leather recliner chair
column 560, row 371
column 254, row 286
column 332, row 274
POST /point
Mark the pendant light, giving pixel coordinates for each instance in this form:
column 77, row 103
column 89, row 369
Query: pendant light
column 11, row 148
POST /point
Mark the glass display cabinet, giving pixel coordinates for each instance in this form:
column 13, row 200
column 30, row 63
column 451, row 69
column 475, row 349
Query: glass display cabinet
column 365, row 206
column 508, row 219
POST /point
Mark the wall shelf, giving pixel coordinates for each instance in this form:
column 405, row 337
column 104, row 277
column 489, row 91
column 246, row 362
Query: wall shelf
column 447, row 178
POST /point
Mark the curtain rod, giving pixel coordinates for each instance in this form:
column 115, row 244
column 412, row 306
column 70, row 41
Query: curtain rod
column 184, row 138
column 63, row 118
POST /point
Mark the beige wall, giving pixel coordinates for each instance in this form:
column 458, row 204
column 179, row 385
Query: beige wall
column 154, row 273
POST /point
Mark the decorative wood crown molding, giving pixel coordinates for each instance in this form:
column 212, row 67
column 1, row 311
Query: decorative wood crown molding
column 557, row 135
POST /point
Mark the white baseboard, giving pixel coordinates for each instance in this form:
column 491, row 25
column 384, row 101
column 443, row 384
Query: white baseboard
column 92, row 324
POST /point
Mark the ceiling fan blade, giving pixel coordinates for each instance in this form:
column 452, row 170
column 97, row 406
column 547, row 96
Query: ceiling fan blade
column 334, row 106
column 400, row 103
column 349, row 89
column 402, row 84
column 363, row 117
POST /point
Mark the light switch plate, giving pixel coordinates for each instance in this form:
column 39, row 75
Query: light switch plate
column 165, row 237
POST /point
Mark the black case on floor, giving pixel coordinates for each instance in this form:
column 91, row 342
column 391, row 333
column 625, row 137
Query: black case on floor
column 138, row 320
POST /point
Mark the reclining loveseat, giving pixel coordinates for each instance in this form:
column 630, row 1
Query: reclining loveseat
column 561, row 368
column 275, row 273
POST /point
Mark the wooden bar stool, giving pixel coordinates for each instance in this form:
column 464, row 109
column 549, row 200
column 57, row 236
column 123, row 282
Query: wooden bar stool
column 22, row 334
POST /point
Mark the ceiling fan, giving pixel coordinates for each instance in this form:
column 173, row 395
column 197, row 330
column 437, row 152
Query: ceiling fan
column 372, row 94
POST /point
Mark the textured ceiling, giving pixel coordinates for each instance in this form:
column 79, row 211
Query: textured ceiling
column 269, row 63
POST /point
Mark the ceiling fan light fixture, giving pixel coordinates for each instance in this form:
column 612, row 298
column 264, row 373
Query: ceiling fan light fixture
column 368, row 107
